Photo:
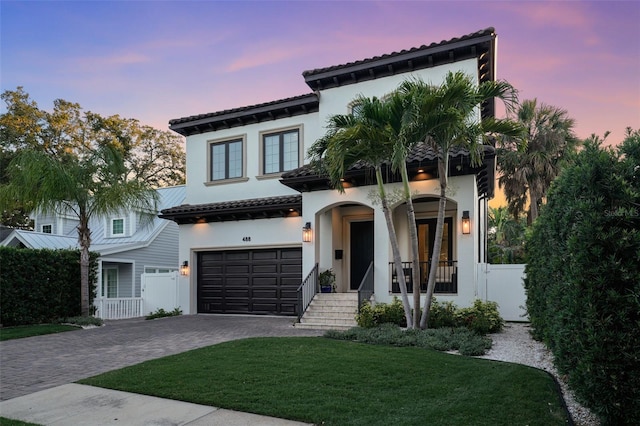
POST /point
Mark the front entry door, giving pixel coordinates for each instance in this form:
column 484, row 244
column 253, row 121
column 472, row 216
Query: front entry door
column 361, row 251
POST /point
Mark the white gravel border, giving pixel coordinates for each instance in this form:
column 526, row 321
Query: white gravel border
column 515, row 344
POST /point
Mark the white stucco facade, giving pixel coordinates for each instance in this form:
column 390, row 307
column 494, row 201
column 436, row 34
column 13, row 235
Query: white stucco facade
column 329, row 212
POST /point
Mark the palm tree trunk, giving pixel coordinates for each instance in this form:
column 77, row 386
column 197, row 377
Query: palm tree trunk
column 533, row 206
column 413, row 236
column 395, row 248
column 84, row 239
column 437, row 244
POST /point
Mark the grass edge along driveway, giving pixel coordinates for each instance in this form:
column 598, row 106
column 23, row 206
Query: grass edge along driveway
column 330, row 382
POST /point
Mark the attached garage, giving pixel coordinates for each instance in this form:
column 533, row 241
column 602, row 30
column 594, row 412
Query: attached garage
column 261, row 281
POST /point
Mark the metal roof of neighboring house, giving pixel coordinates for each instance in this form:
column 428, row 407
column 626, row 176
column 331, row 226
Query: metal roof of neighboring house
column 255, row 208
column 39, row 240
column 481, row 45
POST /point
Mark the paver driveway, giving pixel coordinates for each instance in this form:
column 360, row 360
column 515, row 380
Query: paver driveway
column 35, row 363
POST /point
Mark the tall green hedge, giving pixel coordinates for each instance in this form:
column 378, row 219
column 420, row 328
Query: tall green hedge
column 39, row 286
column 583, row 278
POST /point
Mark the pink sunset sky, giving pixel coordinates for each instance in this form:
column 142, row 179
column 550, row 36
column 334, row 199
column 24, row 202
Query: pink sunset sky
column 159, row 60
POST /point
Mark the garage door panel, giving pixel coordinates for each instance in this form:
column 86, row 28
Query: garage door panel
column 237, row 256
column 237, row 269
column 265, row 293
column 265, row 281
column 291, row 253
column 265, row 255
column 249, row 281
column 265, row 268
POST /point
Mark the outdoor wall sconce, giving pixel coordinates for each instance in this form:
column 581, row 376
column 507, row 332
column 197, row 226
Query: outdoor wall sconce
column 184, row 268
column 306, row 233
column 466, row 222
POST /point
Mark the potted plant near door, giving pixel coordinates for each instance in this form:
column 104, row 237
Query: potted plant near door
column 327, row 280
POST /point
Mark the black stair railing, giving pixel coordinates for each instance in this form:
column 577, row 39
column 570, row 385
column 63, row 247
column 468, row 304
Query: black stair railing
column 307, row 291
column 365, row 290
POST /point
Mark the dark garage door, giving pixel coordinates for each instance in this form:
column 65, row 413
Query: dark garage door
column 249, row 281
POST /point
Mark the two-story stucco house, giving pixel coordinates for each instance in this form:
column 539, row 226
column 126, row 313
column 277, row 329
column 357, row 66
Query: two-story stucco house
column 250, row 193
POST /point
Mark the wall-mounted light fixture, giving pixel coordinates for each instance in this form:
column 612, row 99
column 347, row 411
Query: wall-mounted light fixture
column 307, row 233
column 466, row 222
column 184, row 268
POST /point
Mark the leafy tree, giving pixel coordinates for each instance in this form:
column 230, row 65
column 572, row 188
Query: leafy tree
column 529, row 164
column 154, row 156
column 443, row 117
column 157, row 157
column 366, row 136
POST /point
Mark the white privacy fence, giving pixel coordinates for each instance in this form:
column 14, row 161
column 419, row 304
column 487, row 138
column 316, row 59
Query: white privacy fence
column 159, row 291
column 504, row 284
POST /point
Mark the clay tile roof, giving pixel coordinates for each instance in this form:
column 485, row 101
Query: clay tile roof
column 422, row 156
column 288, row 107
column 478, row 44
column 254, row 208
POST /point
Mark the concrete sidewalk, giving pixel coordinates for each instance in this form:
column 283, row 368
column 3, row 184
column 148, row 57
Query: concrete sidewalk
column 74, row 404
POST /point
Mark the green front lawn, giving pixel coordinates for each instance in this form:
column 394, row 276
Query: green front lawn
column 8, row 333
column 324, row 381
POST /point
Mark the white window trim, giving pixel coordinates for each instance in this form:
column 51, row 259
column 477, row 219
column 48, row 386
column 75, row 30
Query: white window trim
column 124, row 227
column 262, row 134
column 46, row 224
column 105, row 287
column 243, row 139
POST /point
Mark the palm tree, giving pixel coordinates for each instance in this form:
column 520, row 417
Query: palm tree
column 444, row 117
column 87, row 184
column 506, row 236
column 367, row 136
column 529, row 164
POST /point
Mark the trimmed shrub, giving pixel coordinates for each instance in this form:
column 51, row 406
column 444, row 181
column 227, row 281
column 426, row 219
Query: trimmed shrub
column 583, row 278
column 41, row 286
column 482, row 317
column 443, row 314
column 442, row 339
column 381, row 313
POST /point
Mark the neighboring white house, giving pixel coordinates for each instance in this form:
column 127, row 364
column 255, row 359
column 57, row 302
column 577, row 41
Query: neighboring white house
column 127, row 250
column 250, row 193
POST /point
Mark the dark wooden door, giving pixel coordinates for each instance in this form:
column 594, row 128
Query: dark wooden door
column 361, row 251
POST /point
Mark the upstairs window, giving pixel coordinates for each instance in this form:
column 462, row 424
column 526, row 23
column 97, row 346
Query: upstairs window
column 117, row 227
column 226, row 160
column 281, row 151
column 47, row 229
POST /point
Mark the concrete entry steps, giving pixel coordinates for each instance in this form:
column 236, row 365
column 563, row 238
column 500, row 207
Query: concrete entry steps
column 330, row 311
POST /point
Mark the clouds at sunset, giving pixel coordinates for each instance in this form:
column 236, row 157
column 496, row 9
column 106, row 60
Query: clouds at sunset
column 156, row 61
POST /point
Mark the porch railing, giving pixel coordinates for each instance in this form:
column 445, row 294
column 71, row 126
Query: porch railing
column 365, row 290
column 307, row 291
column 119, row 308
column 446, row 277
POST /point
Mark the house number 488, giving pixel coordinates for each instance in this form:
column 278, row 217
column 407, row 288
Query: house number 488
column 246, row 238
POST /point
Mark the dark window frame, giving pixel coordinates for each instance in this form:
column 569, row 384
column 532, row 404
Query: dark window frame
column 226, row 144
column 280, row 135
